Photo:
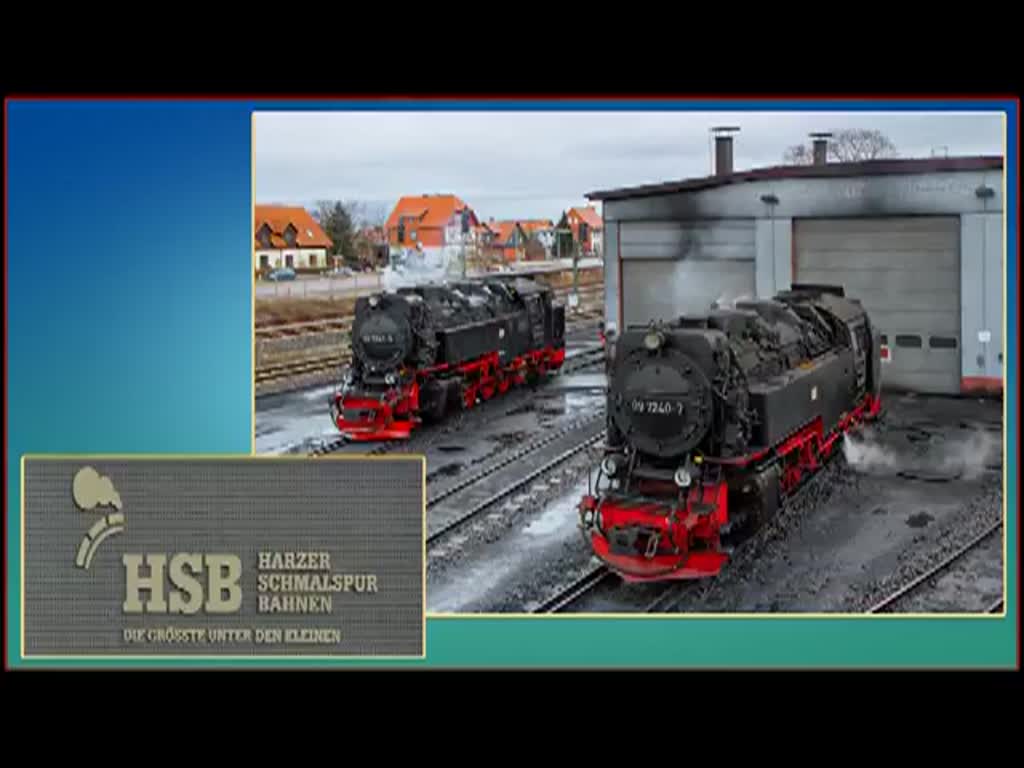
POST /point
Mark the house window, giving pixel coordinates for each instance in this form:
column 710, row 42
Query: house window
column 312, row 259
column 289, row 260
column 264, row 260
column 412, row 235
column 289, row 236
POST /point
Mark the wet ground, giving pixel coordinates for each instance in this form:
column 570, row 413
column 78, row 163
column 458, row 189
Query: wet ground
column 907, row 494
column 296, row 422
column 517, row 556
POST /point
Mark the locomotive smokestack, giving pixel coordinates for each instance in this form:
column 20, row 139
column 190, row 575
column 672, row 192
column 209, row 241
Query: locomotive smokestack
column 820, row 145
column 723, row 149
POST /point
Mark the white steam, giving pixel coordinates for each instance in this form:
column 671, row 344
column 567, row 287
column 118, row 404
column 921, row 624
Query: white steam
column 966, row 457
column 414, row 266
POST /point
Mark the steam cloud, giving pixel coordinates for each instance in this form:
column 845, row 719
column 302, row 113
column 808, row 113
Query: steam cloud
column 414, row 267
column 91, row 490
column 966, row 458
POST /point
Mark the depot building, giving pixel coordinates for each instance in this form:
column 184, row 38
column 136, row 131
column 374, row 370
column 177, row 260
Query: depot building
column 920, row 242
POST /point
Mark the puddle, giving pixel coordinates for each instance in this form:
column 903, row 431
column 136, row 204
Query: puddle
column 447, row 470
column 880, row 511
column 920, row 520
column 510, row 438
column 520, row 409
column 450, row 448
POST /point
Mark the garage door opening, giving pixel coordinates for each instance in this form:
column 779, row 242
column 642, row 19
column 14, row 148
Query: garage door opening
column 906, row 273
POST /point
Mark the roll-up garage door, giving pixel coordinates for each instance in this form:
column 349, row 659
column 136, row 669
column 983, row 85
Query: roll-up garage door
column 672, row 268
column 906, row 272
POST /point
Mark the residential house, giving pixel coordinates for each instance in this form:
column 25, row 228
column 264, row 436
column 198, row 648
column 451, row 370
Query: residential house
column 509, row 239
column 434, row 225
column 543, row 232
column 587, row 229
column 288, row 236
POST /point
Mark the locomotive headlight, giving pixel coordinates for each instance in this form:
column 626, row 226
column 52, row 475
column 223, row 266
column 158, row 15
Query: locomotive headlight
column 391, row 379
column 374, row 301
column 683, row 478
column 653, row 341
column 609, row 466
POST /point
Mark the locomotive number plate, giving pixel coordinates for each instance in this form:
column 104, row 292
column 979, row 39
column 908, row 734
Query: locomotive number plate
column 659, row 407
column 379, row 338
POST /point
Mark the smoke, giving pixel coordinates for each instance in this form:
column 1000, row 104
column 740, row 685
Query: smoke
column 966, row 457
column 91, row 490
column 417, row 267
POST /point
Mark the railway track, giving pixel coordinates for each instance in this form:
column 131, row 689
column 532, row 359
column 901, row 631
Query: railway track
column 456, row 513
column 668, row 596
column 303, row 367
column 585, row 584
column 581, row 360
column 930, row 579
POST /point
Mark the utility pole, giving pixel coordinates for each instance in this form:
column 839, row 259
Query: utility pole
column 576, row 271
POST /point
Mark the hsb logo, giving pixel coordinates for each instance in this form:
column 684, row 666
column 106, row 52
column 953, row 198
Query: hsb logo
column 186, row 594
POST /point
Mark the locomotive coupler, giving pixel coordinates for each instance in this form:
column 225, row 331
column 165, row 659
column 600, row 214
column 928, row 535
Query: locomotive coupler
column 652, row 545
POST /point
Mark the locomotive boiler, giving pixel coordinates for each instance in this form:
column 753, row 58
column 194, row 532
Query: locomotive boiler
column 714, row 421
column 420, row 352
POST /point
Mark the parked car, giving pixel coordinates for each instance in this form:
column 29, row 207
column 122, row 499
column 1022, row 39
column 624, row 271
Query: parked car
column 282, row 273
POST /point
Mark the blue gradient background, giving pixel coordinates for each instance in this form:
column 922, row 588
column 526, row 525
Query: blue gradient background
column 129, row 323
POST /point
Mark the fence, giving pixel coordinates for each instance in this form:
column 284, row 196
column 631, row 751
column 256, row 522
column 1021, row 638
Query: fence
column 324, row 286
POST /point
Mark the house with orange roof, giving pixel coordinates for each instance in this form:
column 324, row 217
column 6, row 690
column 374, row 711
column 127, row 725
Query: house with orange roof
column 509, row 239
column 288, row 236
column 543, row 231
column 434, row 224
column 587, row 228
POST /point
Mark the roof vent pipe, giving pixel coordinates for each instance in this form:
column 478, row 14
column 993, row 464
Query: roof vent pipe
column 723, row 149
column 820, row 144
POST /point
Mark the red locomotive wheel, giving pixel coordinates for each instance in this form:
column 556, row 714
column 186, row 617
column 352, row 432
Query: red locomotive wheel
column 504, row 382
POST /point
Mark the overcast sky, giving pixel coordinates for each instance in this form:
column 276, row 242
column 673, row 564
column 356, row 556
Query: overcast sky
column 537, row 164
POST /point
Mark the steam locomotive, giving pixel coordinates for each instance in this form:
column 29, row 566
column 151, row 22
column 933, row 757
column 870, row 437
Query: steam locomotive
column 420, row 352
column 714, row 421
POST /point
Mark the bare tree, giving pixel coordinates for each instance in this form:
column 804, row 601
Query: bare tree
column 846, row 146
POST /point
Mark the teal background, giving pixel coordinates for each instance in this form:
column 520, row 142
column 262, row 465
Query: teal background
column 129, row 299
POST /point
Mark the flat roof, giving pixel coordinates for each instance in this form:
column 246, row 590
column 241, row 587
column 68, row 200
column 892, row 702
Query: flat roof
column 888, row 167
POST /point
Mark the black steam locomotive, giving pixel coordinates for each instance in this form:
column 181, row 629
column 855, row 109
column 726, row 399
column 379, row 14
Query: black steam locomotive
column 714, row 420
column 421, row 351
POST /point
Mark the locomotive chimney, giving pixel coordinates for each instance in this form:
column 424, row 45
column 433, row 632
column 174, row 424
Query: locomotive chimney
column 820, row 144
column 723, row 149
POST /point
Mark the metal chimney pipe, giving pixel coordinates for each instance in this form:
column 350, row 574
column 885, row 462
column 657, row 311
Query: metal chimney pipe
column 723, row 149
column 820, row 144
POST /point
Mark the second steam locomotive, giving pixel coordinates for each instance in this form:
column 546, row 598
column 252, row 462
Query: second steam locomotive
column 420, row 352
column 714, row 421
